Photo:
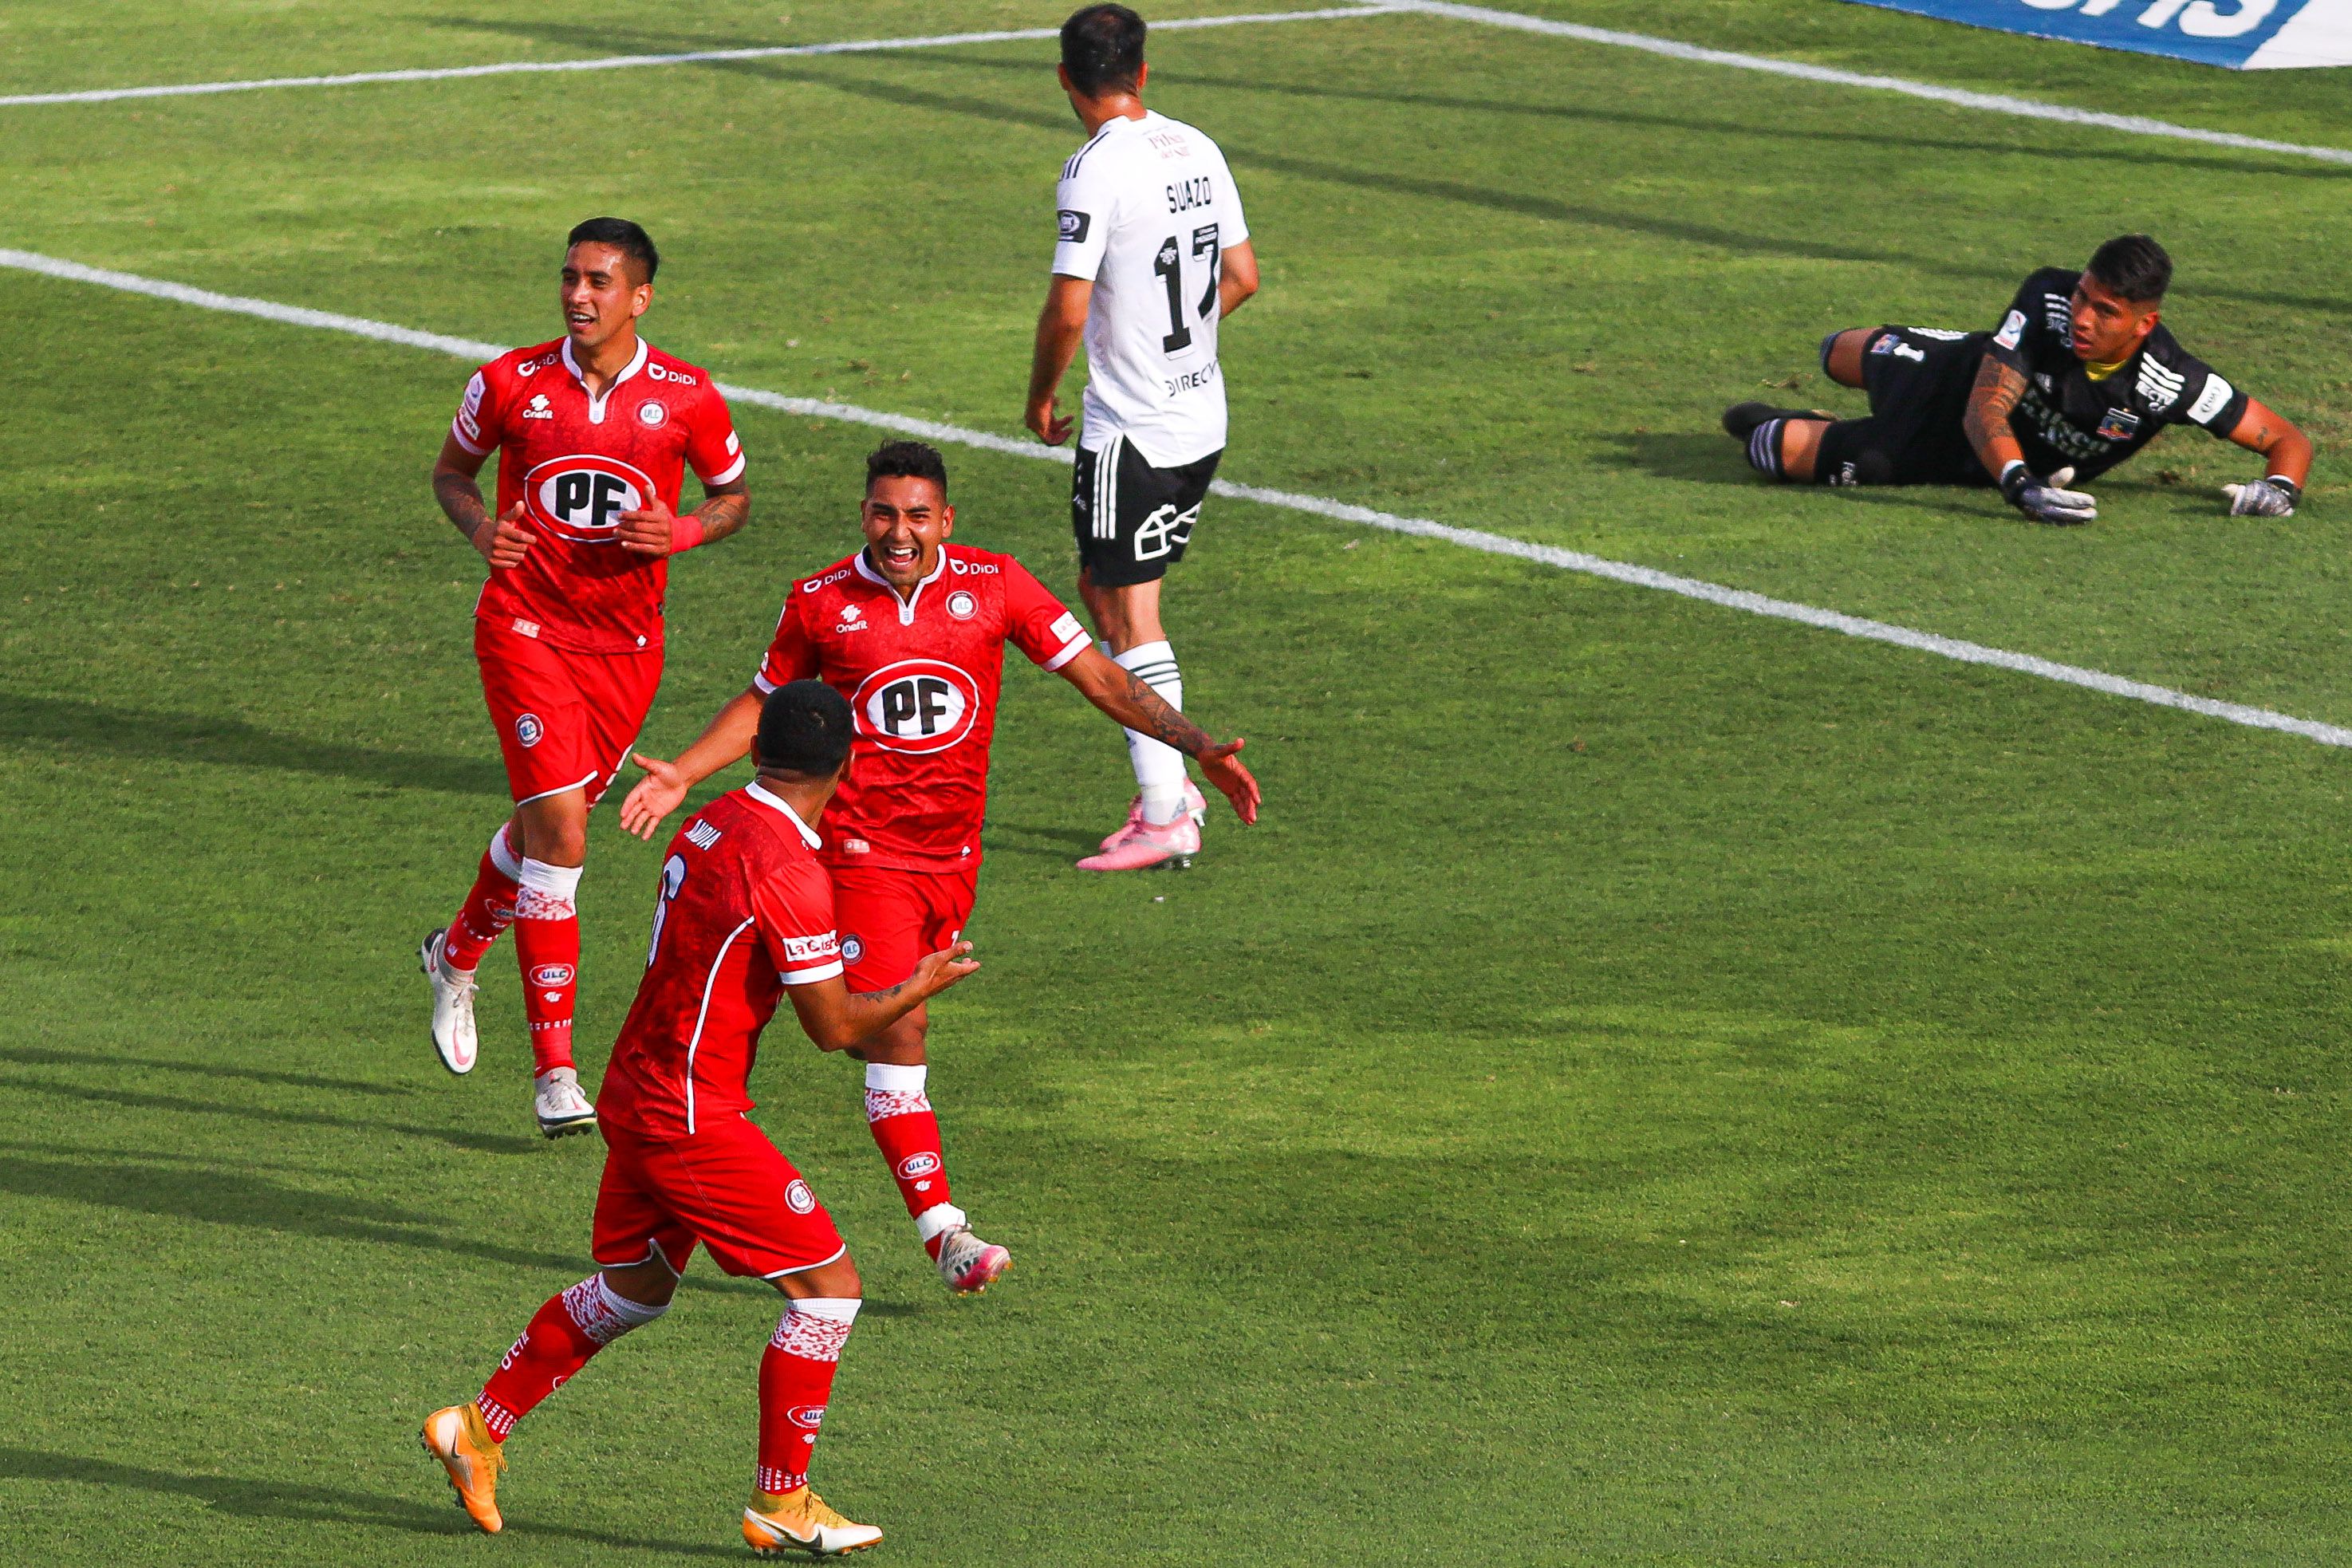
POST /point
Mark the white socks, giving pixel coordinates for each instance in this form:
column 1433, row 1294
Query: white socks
column 1158, row 767
column 546, row 892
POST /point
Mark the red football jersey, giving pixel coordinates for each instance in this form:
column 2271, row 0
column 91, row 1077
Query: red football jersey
column 746, row 909
column 577, row 463
column 921, row 676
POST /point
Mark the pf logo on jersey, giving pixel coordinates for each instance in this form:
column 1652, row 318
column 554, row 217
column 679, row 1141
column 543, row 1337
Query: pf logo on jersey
column 915, row 706
column 581, row 497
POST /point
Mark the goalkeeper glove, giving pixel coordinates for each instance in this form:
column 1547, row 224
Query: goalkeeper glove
column 2046, row 500
column 2273, row 497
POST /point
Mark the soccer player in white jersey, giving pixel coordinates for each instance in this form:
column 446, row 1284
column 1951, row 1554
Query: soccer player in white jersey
column 1153, row 253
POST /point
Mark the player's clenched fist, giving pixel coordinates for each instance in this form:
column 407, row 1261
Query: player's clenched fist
column 503, row 540
column 1048, row 421
column 659, row 792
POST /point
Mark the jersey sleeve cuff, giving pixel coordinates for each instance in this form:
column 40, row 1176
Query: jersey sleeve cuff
column 1077, row 646
column 761, row 682
column 729, row 475
column 460, row 436
column 811, row 976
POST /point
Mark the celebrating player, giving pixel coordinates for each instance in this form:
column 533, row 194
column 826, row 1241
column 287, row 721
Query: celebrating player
column 745, row 912
column 2080, row 375
column 1153, row 254
column 912, row 630
column 594, row 432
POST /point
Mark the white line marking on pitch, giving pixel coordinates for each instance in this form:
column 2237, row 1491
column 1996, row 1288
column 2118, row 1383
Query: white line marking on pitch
column 1319, row 506
column 1990, row 102
column 628, row 62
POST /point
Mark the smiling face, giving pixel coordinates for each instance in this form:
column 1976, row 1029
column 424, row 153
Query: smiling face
column 2105, row 327
column 905, row 520
column 602, row 296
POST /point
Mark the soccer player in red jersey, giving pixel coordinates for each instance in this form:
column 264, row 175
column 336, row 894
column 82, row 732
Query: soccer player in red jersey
column 745, row 915
column 912, row 630
column 594, row 432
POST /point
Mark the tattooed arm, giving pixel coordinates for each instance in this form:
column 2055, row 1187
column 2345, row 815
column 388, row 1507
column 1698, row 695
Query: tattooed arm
column 1990, row 402
column 840, row 1019
column 1132, row 703
column 2288, row 449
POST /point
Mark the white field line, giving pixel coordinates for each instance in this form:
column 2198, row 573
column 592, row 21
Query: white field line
column 629, row 62
column 1317, row 505
column 1990, row 102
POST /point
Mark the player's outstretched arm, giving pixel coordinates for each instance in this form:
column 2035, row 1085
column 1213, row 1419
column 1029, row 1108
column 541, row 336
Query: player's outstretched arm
column 1132, row 703
column 1060, row 325
column 653, row 529
column 502, row 539
column 838, row 1018
column 2288, row 451
column 663, row 790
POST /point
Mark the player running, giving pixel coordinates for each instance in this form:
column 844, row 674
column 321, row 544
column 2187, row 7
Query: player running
column 745, row 913
column 2080, row 375
column 594, row 431
column 912, row 630
column 1153, row 254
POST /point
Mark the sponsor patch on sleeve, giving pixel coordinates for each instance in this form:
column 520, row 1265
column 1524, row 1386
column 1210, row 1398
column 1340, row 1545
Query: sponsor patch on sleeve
column 1067, row 627
column 2212, row 400
column 1075, row 226
column 2013, row 331
column 470, row 411
column 803, row 949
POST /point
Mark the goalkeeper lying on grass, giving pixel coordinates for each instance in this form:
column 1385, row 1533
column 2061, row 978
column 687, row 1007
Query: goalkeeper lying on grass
column 2080, row 375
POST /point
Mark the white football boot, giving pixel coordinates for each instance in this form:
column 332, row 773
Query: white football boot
column 453, row 1008
column 561, row 1106
column 967, row 1263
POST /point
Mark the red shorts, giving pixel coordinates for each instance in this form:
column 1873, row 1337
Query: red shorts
column 726, row 1187
column 889, row 919
column 565, row 719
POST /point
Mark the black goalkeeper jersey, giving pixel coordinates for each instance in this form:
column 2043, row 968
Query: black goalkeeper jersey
column 2066, row 419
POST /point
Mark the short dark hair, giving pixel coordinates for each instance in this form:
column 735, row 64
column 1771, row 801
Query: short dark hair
column 622, row 236
column 907, row 461
column 2133, row 265
column 803, row 729
column 1102, row 48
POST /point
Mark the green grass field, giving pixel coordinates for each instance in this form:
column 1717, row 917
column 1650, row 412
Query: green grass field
column 1661, row 1086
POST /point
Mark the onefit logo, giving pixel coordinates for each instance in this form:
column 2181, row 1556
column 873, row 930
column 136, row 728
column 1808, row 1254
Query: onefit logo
column 581, row 497
column 915, row 1165
column 553, row 974
column 917, row 705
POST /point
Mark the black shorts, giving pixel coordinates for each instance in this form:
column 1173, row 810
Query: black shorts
column 1918, row 381
column 1133, row 520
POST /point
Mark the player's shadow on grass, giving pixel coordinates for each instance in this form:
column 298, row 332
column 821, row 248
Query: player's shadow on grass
column 140, row 1099
column 245, row 1496
column 1063, row 843
column 44, row 1056
column 1715, row 459
column 146, row 737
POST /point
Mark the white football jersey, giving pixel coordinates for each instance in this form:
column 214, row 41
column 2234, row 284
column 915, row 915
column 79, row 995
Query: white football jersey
column 1148, row 208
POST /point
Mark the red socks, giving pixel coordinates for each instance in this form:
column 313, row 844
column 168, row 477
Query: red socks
column 488, row 908
column 547, row 945
column 795, row 1381
column 908, row 1133
column 563, row 1333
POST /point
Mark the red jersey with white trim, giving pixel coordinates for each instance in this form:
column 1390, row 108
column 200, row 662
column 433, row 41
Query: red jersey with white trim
column 922, row 678
column 577, row 463
column 746, row 909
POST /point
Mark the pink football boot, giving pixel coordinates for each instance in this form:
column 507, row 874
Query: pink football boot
column 1196, row 807
column 1140, row 846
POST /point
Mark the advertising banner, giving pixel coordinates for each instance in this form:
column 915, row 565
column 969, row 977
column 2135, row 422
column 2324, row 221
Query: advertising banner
column 2243, row 35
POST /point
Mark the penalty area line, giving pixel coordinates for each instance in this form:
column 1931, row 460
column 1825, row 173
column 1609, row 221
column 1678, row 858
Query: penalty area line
column 1479, row 539
column 1962, row 98
column 631, row 62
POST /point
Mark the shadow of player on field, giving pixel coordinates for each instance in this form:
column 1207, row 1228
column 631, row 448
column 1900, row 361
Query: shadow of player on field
column 248, row 1498
column 1708, row 457
column 136, row 735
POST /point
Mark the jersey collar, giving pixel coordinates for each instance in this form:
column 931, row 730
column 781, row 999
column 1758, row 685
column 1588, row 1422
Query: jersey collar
column 905, row 605
column 776, row 803
column 595, row 403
